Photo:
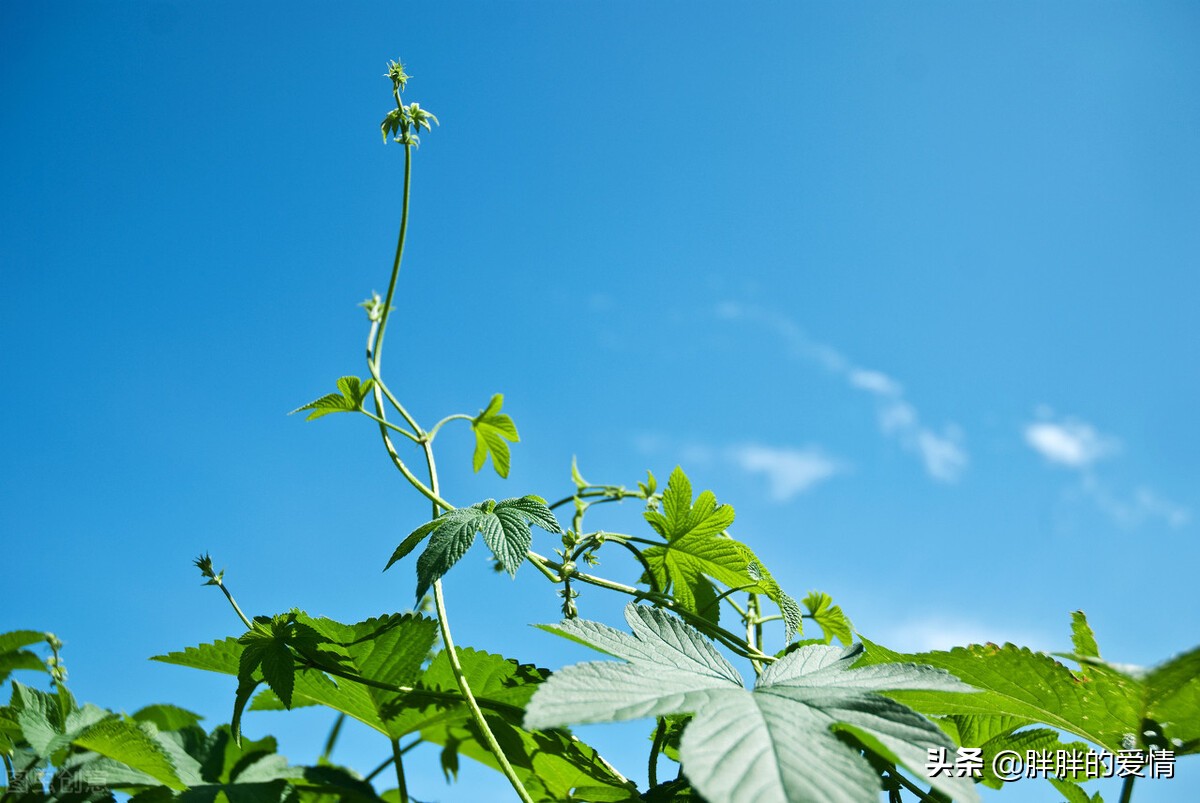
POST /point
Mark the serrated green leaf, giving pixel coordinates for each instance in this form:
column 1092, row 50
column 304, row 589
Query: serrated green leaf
column 167, row 717
column 124, row 741
column 783, row 729
column 550, row 765
column 1103, row 703
column 504, row 526
column 414, row 538
column 696, row 553
column 833, row 622
column 388, row 650
column 217, row 656
column 349, row 399
column 1172, row 699
column 267, row 647
column 492, row 428
column 1082, row 637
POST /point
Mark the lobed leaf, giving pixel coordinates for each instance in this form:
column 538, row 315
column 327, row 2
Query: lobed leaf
column 352, row 393
column 697, row 552
column 492, row 429
column 505, row 527
column 775, row 743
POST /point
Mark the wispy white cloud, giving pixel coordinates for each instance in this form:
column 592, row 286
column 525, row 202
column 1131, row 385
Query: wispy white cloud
column 789, row 472
column 941, row 452
column 1079, row 446
column 1069, row 442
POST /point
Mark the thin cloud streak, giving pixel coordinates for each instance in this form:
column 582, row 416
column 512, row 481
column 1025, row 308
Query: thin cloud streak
column 789, row 472
column 941, row 453
column 1079, row 446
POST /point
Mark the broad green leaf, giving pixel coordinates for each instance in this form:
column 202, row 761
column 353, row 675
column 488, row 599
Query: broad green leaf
column 492, row 429
column 775, row 743
column 550, row 764
column 348, row 400
column 697, row 552
column 16, row 639
column 504, row 526
column 166, row 717
column 216, row 656
column 1106, row 704
column 386, row 650
column 830, row 617
column 20, row 659
column 1172, row 699
column 12, row 657
column 47, row 722
column 124, row 741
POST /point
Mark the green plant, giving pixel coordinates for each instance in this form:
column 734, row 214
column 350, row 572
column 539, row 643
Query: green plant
column 822, row 722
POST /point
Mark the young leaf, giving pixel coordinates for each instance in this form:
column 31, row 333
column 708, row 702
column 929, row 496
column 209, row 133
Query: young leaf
column 268, row 645
column 783, row 729
column 504, row 525
column 492, row 428
column 350, row 400
column 830, row 617
column 696, row 551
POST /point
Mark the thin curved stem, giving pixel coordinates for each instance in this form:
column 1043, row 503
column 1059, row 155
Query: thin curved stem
column 607, row 494
column 460, row 677
column 391, row 426
column 637, row 553
column 728, row 639
column 334, row 732
column 432, row 433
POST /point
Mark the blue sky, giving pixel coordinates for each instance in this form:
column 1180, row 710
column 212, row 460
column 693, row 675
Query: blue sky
column 913, row 288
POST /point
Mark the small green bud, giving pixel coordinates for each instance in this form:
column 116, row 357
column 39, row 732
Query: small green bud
column 568, row 568
column 397, row 75
column 373, row 306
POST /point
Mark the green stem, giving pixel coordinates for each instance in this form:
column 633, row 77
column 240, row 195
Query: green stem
column 233, row 602
column 637, row 553
column 660, row 733
column 910, row 786
column 460, row 677
column 334, row 732
column 387, row 762
column 1127, row 789
column 429, row 436
column 401, row 786
column 729, row 639
column 377, row 346
column 609, row 494
column 391, row 426
column 374, row 369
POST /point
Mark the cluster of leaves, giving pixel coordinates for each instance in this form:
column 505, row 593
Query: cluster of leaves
column 376, row 671
column 56, row 749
